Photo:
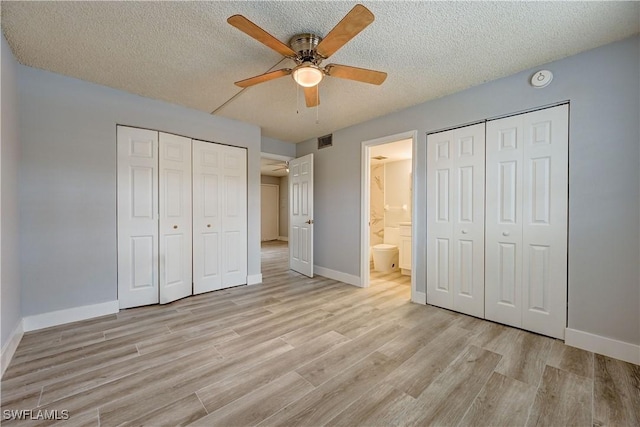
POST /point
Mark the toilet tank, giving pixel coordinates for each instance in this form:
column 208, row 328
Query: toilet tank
column 392, row 235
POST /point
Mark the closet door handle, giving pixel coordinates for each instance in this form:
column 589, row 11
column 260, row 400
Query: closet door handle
column 175, row 227
column 208, row 225
column 505, row 233
column 464, row 231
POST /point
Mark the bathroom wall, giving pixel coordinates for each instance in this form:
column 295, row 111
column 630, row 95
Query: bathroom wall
column 376, row 211
column 397, row 192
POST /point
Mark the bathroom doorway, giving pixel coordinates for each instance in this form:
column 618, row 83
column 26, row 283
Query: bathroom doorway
column 388, row 210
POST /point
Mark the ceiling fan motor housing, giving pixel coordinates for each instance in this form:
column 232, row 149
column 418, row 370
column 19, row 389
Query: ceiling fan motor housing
column 305, row 47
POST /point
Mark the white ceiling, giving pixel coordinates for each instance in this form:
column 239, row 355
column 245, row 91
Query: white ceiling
column 393, row 151
column 187, row 54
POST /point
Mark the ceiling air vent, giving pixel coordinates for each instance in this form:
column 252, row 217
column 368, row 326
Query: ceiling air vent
column 325, row 141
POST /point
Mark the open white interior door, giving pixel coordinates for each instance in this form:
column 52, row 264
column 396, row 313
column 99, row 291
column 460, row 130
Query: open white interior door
column 301, row 215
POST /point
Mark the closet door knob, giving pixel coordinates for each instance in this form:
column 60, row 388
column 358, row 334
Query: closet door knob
column 175, row 227
column 505, row 233
column 208, row 225
column 464, row 231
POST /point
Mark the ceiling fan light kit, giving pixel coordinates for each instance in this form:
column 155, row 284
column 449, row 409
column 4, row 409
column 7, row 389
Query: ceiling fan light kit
column 307, row 74
column 309, row 50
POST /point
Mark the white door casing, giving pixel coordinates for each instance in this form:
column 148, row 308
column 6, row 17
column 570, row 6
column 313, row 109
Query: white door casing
column 269, row 212
column 175, row 217
column 455, row 219
column 137, row 214
column 531, row 149
column 301, row 215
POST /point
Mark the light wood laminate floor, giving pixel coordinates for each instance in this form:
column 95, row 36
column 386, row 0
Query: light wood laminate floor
column 310, row 352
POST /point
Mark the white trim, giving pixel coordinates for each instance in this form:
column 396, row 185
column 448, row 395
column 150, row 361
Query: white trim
column 602, row 345
column 60, row 317
column 349, row 279
column 419, row 298
column 283, row 238
column 364, row 206
column 254, row 279
column 9, row 348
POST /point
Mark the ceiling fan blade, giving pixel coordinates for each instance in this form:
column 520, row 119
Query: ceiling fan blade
column 354, row 73
column 252, row 30
column 311, row 96
column 263, row 77
column 355, row 21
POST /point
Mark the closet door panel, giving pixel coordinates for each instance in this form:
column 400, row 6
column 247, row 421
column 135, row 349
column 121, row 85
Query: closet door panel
column 440, row 210
column 234, row 216
column 503, row 239
column 545, row 194
column 137, row 152
column 468, row 220
column 175, row 217
column 207, row 223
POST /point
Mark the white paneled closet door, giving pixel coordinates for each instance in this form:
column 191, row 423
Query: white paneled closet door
column 207, row 222
column 175, row 217
column 219, row 216
column 526, row 235
column 455, row 219
column 234, row 216
column 137, row 157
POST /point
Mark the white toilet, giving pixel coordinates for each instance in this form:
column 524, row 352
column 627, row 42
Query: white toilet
column 385, row 255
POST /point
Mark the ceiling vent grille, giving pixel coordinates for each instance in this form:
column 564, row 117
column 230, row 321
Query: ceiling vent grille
column 325, row 141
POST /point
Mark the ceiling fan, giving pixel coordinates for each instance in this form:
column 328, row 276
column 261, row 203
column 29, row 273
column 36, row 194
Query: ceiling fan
column 281, row 166
column 309, row 50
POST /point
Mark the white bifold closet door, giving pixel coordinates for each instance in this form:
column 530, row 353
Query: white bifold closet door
column 526, row 220
column 137, row 186
column 219, row 216
column 455, row 219
column 175, row 217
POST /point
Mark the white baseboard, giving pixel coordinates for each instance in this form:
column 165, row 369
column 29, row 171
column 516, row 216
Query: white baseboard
column 60, row 317
column 283, row 238
column 9, row 348
column 254, row 279
column 337, row 275
column 603, row 345
column 419, row 298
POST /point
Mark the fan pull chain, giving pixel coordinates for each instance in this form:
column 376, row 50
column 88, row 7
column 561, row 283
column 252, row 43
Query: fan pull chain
column 297, row 98
column 318, row 105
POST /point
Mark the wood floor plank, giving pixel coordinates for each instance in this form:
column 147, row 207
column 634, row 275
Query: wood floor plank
column 502, row 401
column 376, row 408
column 260, row 403
column 449, row 396
column 524, row 358
column 332, row 397
column 562, row 399
column 616, row 393
column 421, row 369
column 333, row 363
column 226, row 391
column 179, row 413
column 183, row 382
column 571, row 359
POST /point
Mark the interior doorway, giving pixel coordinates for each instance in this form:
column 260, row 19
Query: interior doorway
column 388, row 211
column 274, row 211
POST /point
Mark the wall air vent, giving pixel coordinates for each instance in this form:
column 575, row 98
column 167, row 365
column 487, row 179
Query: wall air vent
column 325, row 141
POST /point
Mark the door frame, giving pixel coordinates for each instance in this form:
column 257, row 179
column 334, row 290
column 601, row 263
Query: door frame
column 365, row 178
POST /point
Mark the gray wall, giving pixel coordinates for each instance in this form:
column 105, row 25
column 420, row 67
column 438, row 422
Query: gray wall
column 604, row 202
column 10, row 157
column 275, row 146
column 68, row 183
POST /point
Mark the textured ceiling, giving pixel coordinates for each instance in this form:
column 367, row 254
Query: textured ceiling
column 187, row 54
column 393, row 151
